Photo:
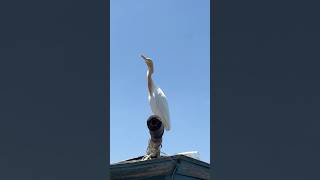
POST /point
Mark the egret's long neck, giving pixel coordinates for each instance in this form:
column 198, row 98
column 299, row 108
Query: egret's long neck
column 150, row 82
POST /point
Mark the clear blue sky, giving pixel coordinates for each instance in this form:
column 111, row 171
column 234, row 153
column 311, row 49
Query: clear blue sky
column 176, row 35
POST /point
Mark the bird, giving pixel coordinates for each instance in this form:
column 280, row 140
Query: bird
column 157, row 98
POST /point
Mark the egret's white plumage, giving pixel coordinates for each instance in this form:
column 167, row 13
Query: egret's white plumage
column 159, row 105
column 156, row 97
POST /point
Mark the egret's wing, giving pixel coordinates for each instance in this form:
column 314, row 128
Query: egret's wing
column 162, row 106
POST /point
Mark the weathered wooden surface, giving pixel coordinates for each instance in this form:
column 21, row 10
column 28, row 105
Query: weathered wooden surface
column 189, row 168
column 164, row 166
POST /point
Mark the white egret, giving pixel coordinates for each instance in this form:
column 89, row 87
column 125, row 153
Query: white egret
column 156, row 97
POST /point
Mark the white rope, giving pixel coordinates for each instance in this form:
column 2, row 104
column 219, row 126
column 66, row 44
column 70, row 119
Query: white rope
column 153, row 149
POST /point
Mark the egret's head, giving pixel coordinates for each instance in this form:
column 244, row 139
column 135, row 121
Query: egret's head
column 149, row 62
